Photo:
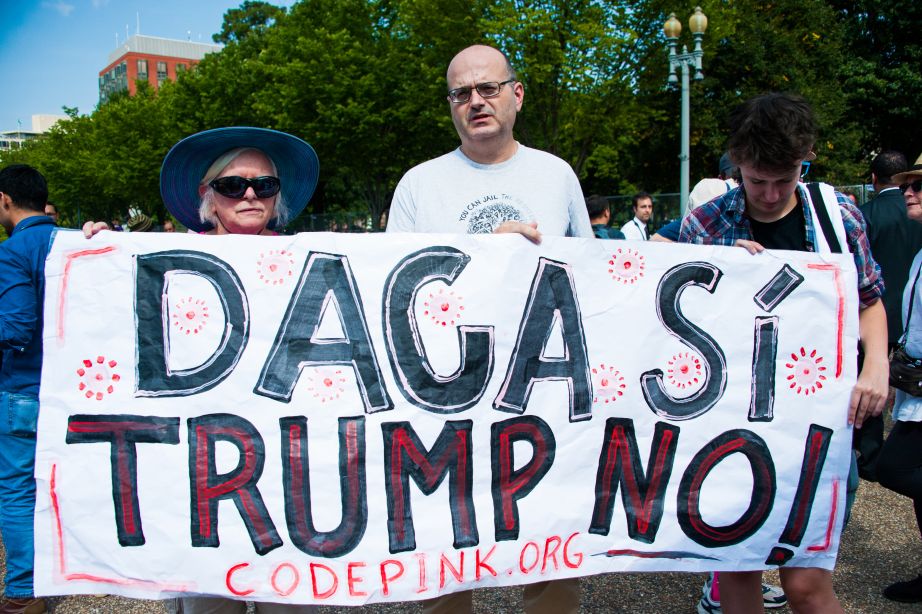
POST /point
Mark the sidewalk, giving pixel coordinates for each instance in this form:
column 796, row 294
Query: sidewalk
column 880, row 545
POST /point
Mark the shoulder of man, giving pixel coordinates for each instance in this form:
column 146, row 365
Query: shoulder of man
column 711, row 220
column 434, row 164
column 532, row 154
column 27, row 248
column 29, row 228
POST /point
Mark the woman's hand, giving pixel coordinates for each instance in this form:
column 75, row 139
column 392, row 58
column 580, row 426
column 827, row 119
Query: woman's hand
column 91, row 228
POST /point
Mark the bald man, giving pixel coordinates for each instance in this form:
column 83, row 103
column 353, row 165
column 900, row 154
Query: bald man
column 492, row 184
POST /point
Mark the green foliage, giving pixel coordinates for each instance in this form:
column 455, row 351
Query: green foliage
column 363, row 81
column 253, row 16
column 752, row 47
column 880, row 73
column 579, row 61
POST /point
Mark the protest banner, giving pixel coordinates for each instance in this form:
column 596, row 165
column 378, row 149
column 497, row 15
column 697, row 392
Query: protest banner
column 346, row 419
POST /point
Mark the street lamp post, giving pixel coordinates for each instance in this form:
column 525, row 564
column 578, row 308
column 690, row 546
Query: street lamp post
column 697, row 23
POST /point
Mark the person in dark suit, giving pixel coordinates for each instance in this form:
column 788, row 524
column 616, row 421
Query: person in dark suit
column 894, row 240
column 893, row 237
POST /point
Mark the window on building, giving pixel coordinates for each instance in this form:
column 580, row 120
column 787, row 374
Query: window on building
column 121, row 77
column 142, row 69
column 161, row 72
column 180, row 68
column 116, row 80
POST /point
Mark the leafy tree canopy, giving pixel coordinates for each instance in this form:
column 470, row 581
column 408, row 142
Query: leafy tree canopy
column 363, row 81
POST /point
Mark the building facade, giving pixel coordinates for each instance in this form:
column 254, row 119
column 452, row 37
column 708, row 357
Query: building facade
column 150, row 59
column 13, row 139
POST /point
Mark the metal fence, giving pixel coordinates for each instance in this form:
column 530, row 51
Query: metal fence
column 666, row 205
column 665, row 209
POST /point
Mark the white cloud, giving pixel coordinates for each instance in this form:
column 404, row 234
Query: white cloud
column 98, row 4
column 62, row 8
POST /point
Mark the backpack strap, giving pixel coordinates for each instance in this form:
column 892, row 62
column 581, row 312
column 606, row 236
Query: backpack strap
column 821, row 209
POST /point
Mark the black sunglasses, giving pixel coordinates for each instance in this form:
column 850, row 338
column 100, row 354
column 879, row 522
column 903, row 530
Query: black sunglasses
column 236, row 187
column 915, row 185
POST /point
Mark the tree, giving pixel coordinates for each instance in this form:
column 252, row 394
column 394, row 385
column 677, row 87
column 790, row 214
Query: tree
column 751, row 47
column 253, row 16
column 99, row 166
column 363, row 81
column 880, row 73
column 353, row 79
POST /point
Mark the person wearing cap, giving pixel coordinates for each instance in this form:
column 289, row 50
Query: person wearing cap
column 899, row 466
column 708, row 189
column 771, row 136
column 139, row 223
column 235, row 180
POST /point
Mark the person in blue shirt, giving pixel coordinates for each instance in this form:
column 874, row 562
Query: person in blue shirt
column 23, row 193
column 600, row 218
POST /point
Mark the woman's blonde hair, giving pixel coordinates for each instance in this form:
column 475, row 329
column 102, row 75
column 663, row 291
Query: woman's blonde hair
column 206, row 209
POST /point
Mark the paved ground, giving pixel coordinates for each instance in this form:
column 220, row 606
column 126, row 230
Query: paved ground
column 880, row 545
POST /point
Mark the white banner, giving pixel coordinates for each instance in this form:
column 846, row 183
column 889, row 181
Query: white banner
column 345, row 419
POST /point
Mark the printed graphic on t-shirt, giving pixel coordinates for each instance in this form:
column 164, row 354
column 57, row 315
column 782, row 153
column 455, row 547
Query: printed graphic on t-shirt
column 486, row 213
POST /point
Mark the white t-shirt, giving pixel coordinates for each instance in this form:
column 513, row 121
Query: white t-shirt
column 454, row 194
column 635, row 230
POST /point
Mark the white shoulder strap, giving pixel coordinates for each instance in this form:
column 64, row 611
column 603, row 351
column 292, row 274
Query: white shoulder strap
column 831, row 204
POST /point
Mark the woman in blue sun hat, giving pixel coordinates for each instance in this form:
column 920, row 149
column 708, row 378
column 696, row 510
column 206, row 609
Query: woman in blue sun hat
column 238, row 180
column 235, row 180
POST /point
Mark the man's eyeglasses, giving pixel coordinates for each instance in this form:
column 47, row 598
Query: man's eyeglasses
column 915, row 185
column 489, row 89
column 804, row 169
column 236, row 187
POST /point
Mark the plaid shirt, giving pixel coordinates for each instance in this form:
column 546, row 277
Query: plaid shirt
column 723, row 221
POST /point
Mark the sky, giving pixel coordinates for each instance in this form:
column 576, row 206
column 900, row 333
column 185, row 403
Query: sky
column 51, row 51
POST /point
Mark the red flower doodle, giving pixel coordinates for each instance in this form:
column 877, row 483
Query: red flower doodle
column 684, row 370
column 807, row 374
column 191, row 315
column 442, row 308
column 608, row 384
column 626, row 265
column 97, row 377
column 275, row 266
column 326, row 383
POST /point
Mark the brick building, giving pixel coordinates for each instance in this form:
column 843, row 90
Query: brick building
column 149, row 58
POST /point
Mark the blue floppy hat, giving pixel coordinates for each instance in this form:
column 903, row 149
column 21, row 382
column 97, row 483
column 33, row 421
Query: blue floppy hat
column 188, row 160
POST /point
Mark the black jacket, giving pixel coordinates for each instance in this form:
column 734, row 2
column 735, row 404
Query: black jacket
column 894, row 240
